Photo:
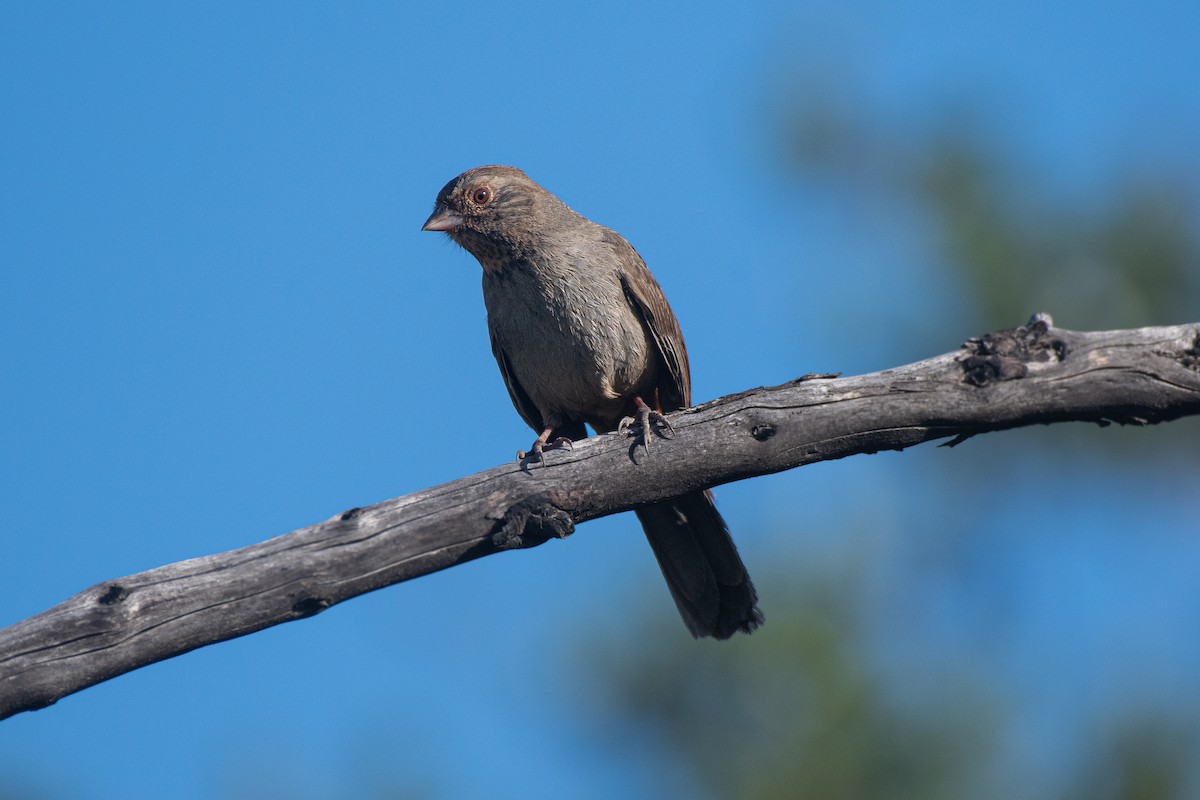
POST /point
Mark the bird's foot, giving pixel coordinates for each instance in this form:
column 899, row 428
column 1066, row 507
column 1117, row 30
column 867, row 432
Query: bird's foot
column 543, row 443
column 646, row 419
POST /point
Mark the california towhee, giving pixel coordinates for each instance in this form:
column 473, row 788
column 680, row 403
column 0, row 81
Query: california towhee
column 582, row 333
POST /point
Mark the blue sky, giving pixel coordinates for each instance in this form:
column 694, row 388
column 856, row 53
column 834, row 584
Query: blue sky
column 222, row 323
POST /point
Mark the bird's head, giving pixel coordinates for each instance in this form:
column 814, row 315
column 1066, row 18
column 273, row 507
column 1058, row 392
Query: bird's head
column 493, row 212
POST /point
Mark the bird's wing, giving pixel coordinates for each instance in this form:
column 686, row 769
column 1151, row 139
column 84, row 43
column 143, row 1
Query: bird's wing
column 525, row 407
column 572, row 429
column 647, row 299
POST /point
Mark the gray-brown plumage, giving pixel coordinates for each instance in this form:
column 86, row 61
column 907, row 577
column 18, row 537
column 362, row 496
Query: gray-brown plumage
column 583, row 334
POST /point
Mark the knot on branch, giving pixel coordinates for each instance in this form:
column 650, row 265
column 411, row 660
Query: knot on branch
column 115, row 593
column 309, row 606
column 1004, row 355
column 535, row 520
column 763, row 431
column 1190, row 358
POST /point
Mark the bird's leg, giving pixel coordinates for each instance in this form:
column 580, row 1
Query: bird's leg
column 543, row 442
column 645, row 417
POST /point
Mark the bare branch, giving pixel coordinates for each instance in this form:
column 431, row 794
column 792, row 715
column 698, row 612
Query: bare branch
column 1031, row 375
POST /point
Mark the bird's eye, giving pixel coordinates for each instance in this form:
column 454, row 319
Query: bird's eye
column 482, row 196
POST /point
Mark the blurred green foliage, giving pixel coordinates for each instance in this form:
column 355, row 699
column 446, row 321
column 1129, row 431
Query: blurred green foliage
column 803, row 710
column 1126, row 254
column 794, row 711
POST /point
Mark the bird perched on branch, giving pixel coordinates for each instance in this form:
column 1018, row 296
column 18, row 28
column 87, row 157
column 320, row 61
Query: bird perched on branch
column 583, row 334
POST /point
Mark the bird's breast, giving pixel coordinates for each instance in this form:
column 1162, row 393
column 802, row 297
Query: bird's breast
column 574, row 343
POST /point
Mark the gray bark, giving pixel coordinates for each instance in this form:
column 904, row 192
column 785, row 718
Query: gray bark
column 1034, row 374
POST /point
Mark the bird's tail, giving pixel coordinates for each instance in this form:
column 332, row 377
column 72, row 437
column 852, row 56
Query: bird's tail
column 704, row 572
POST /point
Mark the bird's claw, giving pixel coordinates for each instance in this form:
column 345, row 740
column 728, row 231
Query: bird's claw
column 647, row 420
column 539, row 447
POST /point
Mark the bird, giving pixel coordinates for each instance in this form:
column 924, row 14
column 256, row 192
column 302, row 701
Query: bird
column 583, row 335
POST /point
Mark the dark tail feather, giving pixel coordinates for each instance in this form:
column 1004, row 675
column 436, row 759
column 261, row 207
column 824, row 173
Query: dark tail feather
column 702, row 567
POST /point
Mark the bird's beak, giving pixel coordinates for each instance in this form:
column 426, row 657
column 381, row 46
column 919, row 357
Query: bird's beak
column 442, row 220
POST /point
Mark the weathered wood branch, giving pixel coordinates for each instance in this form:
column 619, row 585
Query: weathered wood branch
column 1034, row 374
